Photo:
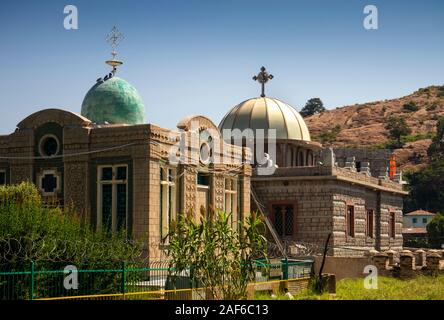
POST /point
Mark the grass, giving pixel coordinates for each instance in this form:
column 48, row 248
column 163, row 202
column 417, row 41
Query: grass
column 420, row 288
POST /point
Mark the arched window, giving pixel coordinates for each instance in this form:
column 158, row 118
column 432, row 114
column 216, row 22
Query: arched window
column 301, row 159
column 289, row 155
column 310, row 158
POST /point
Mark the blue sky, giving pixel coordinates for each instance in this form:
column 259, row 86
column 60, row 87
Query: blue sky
column 198, row 56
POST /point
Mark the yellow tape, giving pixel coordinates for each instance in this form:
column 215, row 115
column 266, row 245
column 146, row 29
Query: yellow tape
column 123, row 295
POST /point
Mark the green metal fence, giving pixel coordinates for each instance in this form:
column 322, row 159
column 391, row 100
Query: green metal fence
column 38, row 282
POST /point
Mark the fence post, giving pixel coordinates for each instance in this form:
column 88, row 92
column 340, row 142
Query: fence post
column 123, row 278
column 31, row 287
column 285, row 269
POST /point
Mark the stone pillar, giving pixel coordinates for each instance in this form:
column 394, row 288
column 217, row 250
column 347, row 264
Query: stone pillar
column 391, row 256
column 381, row 262
column 328, row 157
column 420, row 257
column 406, row 264
column 351, row 163
column 384, row 174
column 365, row 168
column 433, row 262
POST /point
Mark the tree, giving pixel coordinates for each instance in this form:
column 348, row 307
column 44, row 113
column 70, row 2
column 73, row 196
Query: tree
column 435, row 231
column 216, row 255
column 427, row 188
column 397, row 128
column 313, row 106
column 51, row 239
column 436, row 149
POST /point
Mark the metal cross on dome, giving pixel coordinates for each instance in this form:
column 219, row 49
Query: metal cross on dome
column 114, row 38
column 263, row 77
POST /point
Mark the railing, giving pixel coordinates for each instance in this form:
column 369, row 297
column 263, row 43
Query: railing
column 129, row 280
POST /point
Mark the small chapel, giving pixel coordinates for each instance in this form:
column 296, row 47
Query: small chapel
column 117, row 172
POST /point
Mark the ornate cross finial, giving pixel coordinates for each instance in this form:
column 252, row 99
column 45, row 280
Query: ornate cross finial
column 114, row 38
column 263, row 77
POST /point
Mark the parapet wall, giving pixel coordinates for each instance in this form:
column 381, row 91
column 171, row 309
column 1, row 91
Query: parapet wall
column 402, row 264
column 407, row 264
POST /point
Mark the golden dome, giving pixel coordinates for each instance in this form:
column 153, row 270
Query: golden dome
column 267, row 113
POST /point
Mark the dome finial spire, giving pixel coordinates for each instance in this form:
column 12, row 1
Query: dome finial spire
column 114, row 38
column 263, row 77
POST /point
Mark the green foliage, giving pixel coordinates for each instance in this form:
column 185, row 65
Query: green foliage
column 440, row 92
column 427, row 188
column 318, row 284
column 216, row 255
column 436, row 149
column 51, row 239
column 417, row 137
column 435, row 231
column 47, row 236
column 397, row 128
column 416, row 242
column 312, row 107
column 329, row 136
column 410, row 107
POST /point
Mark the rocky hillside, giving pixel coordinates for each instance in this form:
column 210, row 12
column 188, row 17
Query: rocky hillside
column 362, row 125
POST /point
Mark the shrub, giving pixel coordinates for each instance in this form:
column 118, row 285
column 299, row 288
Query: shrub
column 48, row 235
column 329, row 136
column 216, row 255
column 52, row 238
column 435, row 231
column 410, row 107
column 397, row 128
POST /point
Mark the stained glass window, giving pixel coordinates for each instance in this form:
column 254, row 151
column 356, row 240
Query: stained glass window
column 113, row 197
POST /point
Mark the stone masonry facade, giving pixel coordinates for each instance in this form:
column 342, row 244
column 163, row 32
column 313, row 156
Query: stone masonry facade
column 70, row 176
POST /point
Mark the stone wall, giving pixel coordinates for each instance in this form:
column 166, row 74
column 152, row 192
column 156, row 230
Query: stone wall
column 407, row 264
column 313, row 201
column 343, row 267
column 322, row 202
column 144, row 149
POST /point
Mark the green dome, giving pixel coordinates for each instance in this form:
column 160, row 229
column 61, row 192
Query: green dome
column 114, row 101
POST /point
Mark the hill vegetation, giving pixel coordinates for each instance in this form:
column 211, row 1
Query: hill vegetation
column 365, row 125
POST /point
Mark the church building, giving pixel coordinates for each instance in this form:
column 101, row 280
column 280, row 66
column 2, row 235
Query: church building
column 118, row 173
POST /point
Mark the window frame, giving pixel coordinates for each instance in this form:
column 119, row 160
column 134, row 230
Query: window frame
column 370, row 223
column 168, row 200
column 392, row 225
column 114, row 182
column 350, row 221
column 231, row 195
column 40, row 177
column 284, row 204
